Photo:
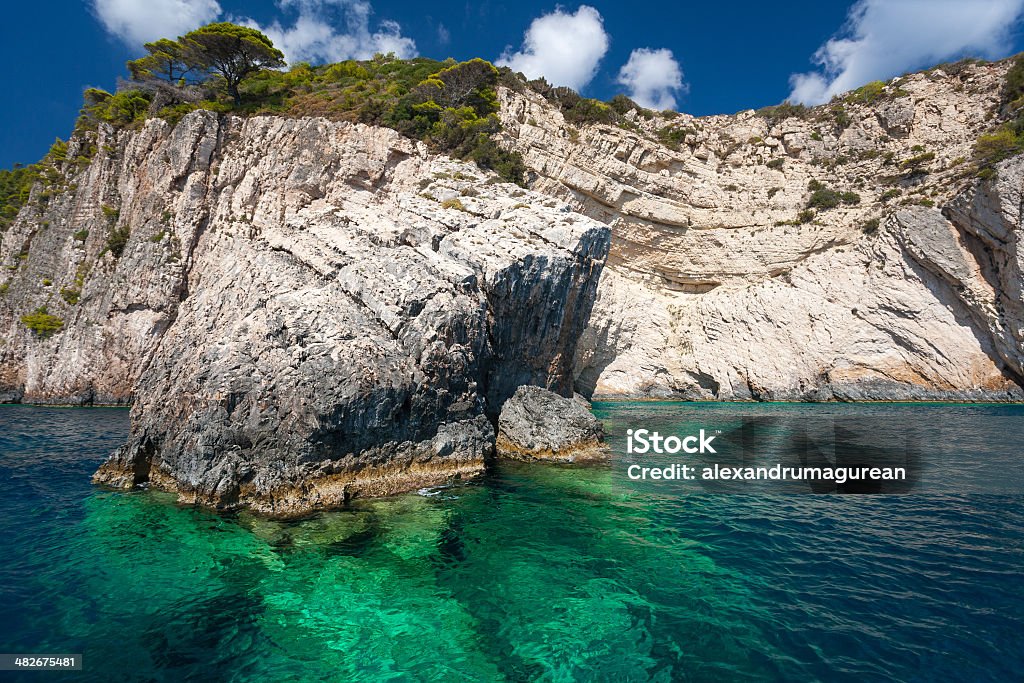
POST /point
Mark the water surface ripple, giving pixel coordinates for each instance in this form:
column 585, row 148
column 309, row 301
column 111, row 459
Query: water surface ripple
column 535, row 573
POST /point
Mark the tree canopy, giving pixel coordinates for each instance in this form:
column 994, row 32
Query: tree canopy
column 168, row 60
column 233, row 52
column 452, row 106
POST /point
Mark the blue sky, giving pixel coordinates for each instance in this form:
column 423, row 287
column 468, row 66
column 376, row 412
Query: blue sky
column 697, row 57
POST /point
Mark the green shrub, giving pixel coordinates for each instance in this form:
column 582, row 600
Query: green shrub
column 120, row 109
column 1013, row 86
column 824, row 198
column 453, row 204
column 916, row 163
column 15, row 188
column 118, row 240
column 449, row 105
column 81, row 235
column 674, row 137
column 42, row 323
column 623, row 105
column 348, row 71
column 176, row 112
column 781, row 112
column 993, row 147
column 867, row 94
column 71, row 296
column 841, row 117
column 816, row 136
column 58, row 151
column 889, row 194
column 509, row 165
column 584, row 110
column 805, row 216
column 871, row 226
column 776, row 164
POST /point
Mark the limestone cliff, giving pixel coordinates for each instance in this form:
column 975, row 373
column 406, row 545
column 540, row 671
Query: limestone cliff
column 304, row 310
column 718, row 287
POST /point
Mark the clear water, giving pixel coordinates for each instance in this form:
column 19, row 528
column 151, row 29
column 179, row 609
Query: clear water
column 536, row 573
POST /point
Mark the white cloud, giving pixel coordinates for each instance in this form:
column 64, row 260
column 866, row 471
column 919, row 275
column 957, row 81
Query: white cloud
column 142, row 21
column 315, row 36
column 653, row 78
column 885, row 38
column 563, row 48
column 324, row 30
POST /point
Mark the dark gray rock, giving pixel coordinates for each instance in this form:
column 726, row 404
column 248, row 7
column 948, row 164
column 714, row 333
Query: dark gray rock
column 536, row 424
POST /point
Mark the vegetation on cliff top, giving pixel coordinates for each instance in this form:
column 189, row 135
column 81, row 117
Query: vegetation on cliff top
column 451, row 106
column 15, row 187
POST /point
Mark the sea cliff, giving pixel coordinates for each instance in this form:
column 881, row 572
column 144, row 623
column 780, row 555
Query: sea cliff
column 842, row 252
column 303, row 310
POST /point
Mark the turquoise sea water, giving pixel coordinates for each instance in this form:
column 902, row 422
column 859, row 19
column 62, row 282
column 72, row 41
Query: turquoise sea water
column 535, row 573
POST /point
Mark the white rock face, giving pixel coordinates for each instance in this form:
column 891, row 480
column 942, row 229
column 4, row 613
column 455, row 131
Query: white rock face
column 717, row 289
column 311, row 310
column 306, row 310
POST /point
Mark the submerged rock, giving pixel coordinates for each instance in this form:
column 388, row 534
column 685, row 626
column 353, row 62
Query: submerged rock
column 536, row 424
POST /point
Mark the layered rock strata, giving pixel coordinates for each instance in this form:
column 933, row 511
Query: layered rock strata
column 717, row 287
column 310, row 310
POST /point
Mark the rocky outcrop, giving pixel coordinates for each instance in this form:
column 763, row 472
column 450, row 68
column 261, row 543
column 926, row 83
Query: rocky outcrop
column 302, row 311
column 536, row 424
column 717, row 287
column 328, row 310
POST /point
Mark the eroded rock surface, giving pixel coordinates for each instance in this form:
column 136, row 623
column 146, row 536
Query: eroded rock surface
column 304, row 311
column 329, row 311
column 536, row 424
column 717, row 288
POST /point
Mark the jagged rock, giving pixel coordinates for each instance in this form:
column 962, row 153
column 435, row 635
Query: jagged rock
column 536, row 424
column 306, row 318
column 308, row 310
column 714, row 291
column 897, row 116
